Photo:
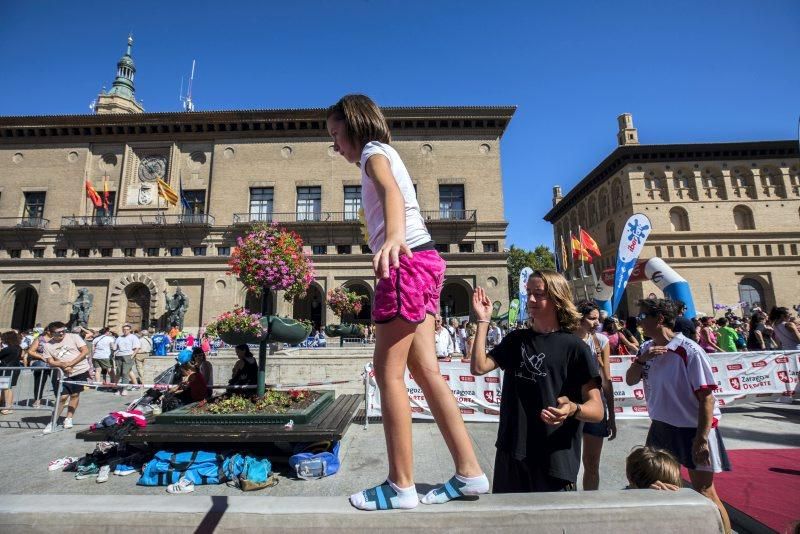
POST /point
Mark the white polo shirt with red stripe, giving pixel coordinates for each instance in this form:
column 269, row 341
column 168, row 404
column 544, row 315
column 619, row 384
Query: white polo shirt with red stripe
column 671, row 380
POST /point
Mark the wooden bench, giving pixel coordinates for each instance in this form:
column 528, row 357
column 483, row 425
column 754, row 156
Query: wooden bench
column 330, row 424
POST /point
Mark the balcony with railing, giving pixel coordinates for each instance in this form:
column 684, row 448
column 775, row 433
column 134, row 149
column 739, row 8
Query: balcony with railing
column 23, row 223
column 122, row 221
column 450, row 216
column 297, row 217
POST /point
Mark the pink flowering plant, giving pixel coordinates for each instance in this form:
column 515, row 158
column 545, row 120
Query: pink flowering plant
column 240, row 320
column 273, row 258
column 342, row 301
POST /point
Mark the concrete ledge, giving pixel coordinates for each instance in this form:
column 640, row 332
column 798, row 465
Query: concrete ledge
column 643, row 511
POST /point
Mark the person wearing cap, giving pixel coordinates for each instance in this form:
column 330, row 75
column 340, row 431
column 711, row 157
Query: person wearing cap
column 68, row 352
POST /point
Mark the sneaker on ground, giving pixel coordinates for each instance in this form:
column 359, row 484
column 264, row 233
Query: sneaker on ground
column 102, row 475
column 48, row 429
column 184, row 485
column 123, row 393
column 61, row 463
column 124, row 470
column 87, row 471
column 68, row 422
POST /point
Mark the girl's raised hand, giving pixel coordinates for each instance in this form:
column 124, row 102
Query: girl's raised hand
column 389, row 255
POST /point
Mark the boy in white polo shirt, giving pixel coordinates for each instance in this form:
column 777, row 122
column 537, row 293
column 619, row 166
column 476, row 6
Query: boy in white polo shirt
column 679, row 386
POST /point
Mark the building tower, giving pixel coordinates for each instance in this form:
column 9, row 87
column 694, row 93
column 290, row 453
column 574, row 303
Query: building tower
column 121, row 97
column 627, row 134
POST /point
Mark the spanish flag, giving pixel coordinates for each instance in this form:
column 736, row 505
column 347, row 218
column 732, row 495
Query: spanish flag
column 166, row 192
column 578, row 252
column 91, row 192
column 589, row 244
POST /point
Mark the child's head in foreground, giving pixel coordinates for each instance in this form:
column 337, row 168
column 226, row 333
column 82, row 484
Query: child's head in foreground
column 646, row 465
column 354, row 121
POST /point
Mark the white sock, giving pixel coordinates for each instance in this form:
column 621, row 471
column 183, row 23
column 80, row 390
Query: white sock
column 386, row 496
column 457, row 487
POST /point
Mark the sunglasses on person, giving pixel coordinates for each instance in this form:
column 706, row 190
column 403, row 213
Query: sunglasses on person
column 60, row 332
column 644, row 315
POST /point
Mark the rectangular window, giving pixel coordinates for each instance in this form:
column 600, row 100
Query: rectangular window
column 199, row 251
column 15, row 253
column 670, row 252
column 781, row 250
column 38, row 253
column 352, row 202
column 658, row 252
column 343, row 249
column 732, row 250
column 261, row 199
column 129, row 252
column 84, row 252
column 103, row 214
column 444, row 248
column 768, row 249
column 60, row 252
column 34, row 206
column 176, row 251
column 466, row 247
column 309, row 203
column 223, row 251
column 151, row 252
column 694, row 251
column 719, row 250
column 106, row 252
column 744, row 250
column 490, row 246
column 319, row 249
column 682, row 251
column 756, row 250
column 707, row 250
column 793, row 247
column 365, row 249
column 451, row 201
column 195, row 206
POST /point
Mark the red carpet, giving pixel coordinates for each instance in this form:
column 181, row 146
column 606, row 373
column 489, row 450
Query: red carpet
column 764, row 484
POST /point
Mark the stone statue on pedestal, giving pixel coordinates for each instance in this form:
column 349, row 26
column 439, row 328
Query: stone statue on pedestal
column 81, row 308
column 176, row 307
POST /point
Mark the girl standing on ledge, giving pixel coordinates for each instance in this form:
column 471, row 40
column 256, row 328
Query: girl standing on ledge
column 410, row 274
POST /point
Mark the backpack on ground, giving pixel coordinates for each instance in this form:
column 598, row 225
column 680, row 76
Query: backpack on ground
column 248, row 472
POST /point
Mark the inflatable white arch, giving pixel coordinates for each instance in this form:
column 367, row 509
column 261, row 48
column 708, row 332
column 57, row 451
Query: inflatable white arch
column 673, row 285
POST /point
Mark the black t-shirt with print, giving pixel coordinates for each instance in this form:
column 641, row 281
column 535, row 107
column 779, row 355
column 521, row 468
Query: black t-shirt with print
column 539, row 368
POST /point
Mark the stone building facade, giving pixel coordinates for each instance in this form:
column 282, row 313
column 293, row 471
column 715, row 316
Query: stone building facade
column 235, row 168
column 726, row 216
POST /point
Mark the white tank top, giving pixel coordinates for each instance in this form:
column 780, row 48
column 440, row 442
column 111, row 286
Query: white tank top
column 416, row 233
column 785, row 338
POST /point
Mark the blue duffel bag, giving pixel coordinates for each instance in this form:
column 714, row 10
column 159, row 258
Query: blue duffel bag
column 169, row 467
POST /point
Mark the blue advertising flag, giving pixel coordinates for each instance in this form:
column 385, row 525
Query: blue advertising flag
column 524, row 274
column 631, row 242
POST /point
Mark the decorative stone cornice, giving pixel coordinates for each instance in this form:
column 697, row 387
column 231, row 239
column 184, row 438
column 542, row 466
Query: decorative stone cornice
column 484, row 121
column 643, row 154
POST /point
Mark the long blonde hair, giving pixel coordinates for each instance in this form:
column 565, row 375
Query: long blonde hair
column 363, row 119
column 558, row 291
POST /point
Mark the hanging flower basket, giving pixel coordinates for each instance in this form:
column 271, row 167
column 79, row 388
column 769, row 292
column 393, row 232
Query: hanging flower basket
column 288, row 330
column 238, row 326
column 344, row 330
column 269, row 257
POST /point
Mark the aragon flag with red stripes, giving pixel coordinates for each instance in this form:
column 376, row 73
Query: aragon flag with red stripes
column 589, row 244
column 91, row 192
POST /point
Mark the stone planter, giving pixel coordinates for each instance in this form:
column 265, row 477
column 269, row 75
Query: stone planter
column 184, row 415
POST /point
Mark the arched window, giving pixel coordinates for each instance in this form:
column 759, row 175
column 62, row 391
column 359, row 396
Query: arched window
column 710, row 181
column 679, row 219
column 611, row 233
column 602, row 203
column 681, row 181
column 743, row 218
column 582, row 215
column 592, row 211
column 751, row 292
column 616, row 195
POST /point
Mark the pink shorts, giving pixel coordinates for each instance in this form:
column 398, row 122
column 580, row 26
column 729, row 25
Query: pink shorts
column 412, row 290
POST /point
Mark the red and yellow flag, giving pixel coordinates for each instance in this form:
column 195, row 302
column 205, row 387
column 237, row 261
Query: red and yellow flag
column 106, row 194
column 589, row 244
column 578, row 252
column 91, row 192
column 166, row 192
column 564, row 256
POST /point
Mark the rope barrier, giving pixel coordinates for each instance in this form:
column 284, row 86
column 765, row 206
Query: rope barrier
column 166, row 386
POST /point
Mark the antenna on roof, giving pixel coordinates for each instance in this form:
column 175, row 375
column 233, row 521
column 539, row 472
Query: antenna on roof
column 188, row 103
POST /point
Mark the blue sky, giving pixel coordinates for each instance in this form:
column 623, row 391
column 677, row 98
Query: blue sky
column 689, row 71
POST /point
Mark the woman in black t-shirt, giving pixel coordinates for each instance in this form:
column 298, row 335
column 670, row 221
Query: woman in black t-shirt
column 759, row 337
column 10, row 356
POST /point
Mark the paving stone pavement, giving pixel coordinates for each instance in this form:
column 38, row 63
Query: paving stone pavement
column 26, row 451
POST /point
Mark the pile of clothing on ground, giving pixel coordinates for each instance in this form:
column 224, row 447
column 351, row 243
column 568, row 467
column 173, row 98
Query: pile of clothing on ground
column 106, row 458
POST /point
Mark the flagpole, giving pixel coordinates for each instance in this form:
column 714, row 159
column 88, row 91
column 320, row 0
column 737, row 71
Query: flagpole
column 556, row 252
column 583, row 268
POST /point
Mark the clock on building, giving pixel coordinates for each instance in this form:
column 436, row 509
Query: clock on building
column 152, row 167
